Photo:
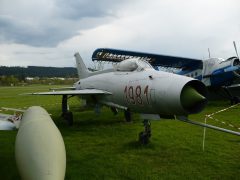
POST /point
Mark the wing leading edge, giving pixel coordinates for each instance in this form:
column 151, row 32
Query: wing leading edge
column 74, row 92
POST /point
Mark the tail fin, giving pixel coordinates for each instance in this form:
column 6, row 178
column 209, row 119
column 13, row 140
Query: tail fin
column 82, row 69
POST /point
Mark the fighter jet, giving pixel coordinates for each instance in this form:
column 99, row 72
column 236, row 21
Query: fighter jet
column 134, row 85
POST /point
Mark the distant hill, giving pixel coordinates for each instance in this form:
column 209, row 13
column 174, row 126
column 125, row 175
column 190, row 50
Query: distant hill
column 38, row 71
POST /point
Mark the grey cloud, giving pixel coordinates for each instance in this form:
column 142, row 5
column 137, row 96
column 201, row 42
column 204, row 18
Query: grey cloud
column 63, row 21
column 12, row 30
column 77, row 9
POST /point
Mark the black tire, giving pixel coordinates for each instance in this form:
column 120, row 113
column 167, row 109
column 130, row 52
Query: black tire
column 69, row 118
column 143, row 138
column 235, row 100
column 128, row 115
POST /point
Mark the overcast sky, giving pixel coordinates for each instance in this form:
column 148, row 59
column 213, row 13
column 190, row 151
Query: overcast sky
column 49, row 32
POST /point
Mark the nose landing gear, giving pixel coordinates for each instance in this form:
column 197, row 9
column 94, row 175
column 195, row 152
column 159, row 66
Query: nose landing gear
column 145, row 135
column 128, row 115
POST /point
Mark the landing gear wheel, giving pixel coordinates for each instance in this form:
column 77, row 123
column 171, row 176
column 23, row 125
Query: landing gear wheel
column 128, row 115
column 235, row 100
column 145, row 135
column 69, row 118
column 143, row 138
column 64, row 104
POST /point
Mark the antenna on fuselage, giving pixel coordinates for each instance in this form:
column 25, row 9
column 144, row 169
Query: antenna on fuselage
column 235, row 47
column 209, row 54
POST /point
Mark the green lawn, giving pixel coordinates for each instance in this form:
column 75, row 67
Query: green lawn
column 105, row 147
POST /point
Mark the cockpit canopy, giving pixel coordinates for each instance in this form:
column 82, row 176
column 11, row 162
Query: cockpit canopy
column 134, row 64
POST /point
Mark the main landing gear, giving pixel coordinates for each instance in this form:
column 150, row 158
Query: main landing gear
column 233, row 99
column 67, row 115
column 128, row 115
column 145, row 135
column 114, row 110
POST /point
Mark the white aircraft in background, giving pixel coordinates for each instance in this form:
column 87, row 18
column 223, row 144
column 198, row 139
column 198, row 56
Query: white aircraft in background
column 10, row 121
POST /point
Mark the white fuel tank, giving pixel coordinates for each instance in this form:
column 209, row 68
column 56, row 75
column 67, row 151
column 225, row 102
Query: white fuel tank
column 39, row 148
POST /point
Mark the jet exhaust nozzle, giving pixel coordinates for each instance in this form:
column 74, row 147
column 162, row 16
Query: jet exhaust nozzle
column 193, row 97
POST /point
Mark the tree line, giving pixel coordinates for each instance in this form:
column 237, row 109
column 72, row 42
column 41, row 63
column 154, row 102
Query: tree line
column 38, row 71
column 41, row 75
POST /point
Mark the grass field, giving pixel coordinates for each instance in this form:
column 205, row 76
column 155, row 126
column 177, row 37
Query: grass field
column 105, row 147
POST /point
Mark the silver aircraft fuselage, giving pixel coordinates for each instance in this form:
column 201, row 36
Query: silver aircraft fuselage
column 147, row 91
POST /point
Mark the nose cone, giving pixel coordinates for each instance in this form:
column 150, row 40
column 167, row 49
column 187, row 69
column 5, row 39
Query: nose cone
column 192, row 100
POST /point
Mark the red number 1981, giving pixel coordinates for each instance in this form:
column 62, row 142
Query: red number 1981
column 134, row 95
